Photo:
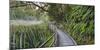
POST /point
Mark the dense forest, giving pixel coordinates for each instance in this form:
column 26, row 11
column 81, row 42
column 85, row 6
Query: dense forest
column 77, row 20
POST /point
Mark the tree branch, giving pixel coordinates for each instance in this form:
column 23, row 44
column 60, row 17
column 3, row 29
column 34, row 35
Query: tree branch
column 28, row 4
column 39, row 6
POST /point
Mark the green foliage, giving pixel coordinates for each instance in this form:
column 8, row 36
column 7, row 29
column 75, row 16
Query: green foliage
column 80, row 24
column 57, row 12
column 33, row 36
column 17, row 13
column 23, row 11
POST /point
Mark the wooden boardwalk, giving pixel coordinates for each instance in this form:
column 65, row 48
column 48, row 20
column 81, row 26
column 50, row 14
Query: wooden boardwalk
column 62, row 38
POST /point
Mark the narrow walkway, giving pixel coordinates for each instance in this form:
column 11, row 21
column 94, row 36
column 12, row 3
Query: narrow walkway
column 63, row 39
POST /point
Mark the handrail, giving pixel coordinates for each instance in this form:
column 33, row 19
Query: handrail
column 57, row 34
